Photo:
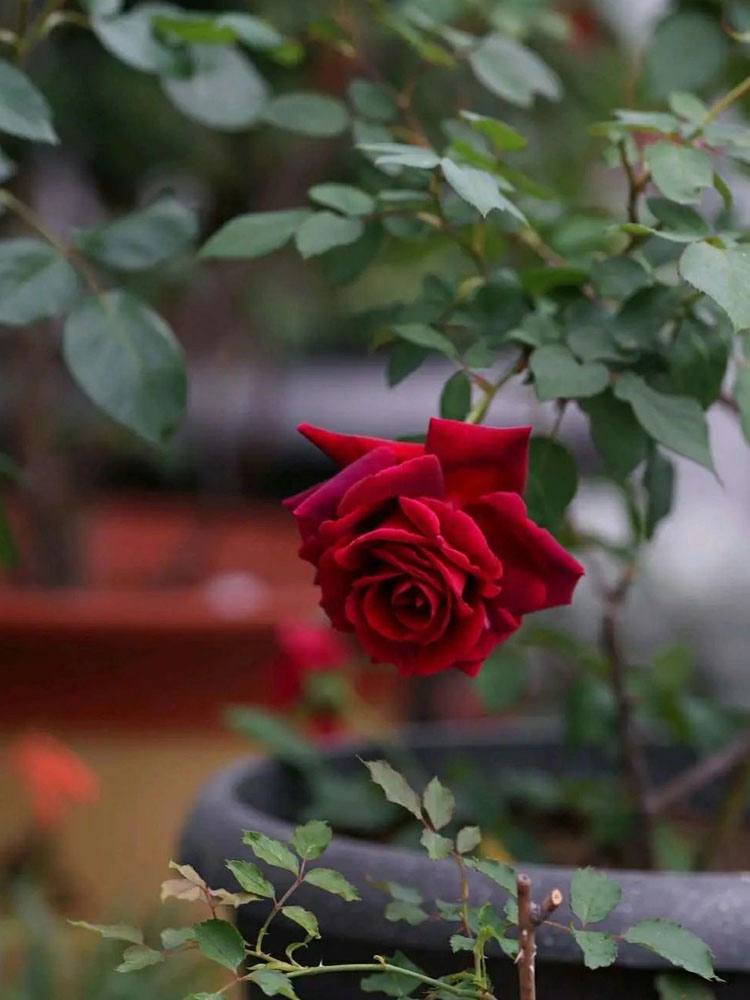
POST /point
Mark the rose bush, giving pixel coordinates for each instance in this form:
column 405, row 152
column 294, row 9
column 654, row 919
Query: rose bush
column 425, row 551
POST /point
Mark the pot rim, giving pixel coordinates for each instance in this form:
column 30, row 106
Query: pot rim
column 715, row 906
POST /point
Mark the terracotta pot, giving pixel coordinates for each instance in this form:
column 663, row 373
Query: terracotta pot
column 176, row 619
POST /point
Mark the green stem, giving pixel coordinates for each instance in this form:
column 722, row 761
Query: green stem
column 724, row 102
column 278, row 905
column 479, row 412
column 320, row 970
column 26, row 214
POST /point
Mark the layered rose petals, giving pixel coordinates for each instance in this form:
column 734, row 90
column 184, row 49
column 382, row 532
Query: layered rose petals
column 425, row 552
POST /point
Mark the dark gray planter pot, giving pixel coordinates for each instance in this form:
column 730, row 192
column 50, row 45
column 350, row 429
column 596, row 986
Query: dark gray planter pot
column 263, row 795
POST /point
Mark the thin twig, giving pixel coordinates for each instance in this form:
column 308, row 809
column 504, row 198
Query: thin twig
column 691, row 780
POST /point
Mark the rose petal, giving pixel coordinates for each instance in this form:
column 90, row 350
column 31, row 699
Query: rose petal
column 537, row 571
column 477, row 460
column 417, row 477
column 347, row 448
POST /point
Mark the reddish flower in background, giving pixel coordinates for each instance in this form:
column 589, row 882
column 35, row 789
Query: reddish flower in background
column 302, row 650
column 426, row 552
column 54, row 776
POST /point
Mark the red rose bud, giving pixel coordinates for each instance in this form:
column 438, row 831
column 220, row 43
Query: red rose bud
column 425, row 552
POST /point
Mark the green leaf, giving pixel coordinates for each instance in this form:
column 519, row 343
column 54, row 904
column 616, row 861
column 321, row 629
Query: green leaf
column 274, row 735
column 552, row 483
column 273, row 983
column 24, row 110
column 503, row 137
column 343, row 198
column 513, row 72
column 618, row 436
column 688, row 106
column 175, row 937
column 315, row 115
column 680, row 171
column 455, row 399
column 674, row 986
column 131, row 39
column 674, row 943
column 439, row 804
column 503, row 678
column 405, row 358
column 138, row 956
column 468, row 839
column 676, row 422
column 658, row 481
column 273, row 852
column 437, row 846
column 459, row 942
column 395, row 786
column 332, row 881
column 599, row 949
column 116, row 932
column 698, row 358
column 224, row 90
column 255, row 234
column 478, row 189
column 722, row 274
column 252, row 31
column 220, row 942
column 221, row 29
column 125, row 357
column 410, row 913
column 592, row 895
column 399, row 154
column 425, row 336
column 543, row 280
column 36, row 282
column 311, row 840
column 372, row 100
column 642, row 317
column 306, row 920
column 504, row 875
column 323, row 231
column 703, row 49
column 742, row 398
column 346, row 263
column 678, row 223
column 558, row 375
column 251, row 878
column 391, row 983
column 618, row 277
column 143, row 239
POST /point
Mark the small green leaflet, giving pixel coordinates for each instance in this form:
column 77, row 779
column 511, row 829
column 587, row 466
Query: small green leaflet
column 372, row 100
column 306, row 920
column 599, row 949
column 558, row 375
column 512, row 71
column 251, row 878
column 675, row 943
column 143, row 239
column 658, row 481
column 439, row 804
column 677, row 422
column 455, row 399
column 311, row 840
column 459, row 942
column 24, row 110
column 224, row 90
column 395, row 786
column 393, row 984
column 504, row 875
column 437, row 847
column 332, row 881
column 325, row 230
column 676, row 986
column 138, row 956
column 342, row 198
column 468, row 839
column 117, row 932
column 273, row 852
column 724, row 275
column 316, row 115
column 176, row 937
column 220, row 942
column 552, row 484
column 411, row 913
column 592, row 895
column 399, row 154
column 479, row 189
column 503, row 136
column 273, row 983
column 680, row 171
column 422, row 335
column 254, row 235
column 619, row 438
column 36, row 281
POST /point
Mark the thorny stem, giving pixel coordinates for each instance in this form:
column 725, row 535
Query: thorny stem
column 530, row 916
column 29, row 216
column 320, row 970
column 636, row 185
column 633, row 757
column 278, row 905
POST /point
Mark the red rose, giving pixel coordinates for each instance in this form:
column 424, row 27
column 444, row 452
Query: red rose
column 425, row 552
column 303, row 649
